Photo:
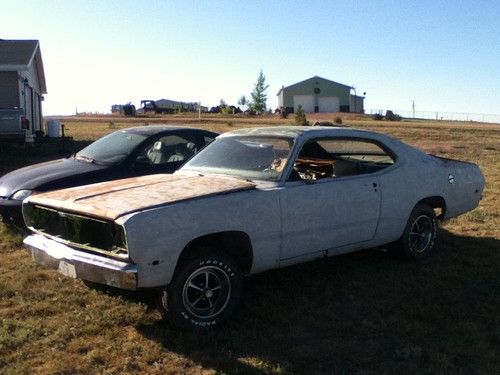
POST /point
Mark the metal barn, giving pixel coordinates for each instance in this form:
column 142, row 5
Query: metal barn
column 318, row 94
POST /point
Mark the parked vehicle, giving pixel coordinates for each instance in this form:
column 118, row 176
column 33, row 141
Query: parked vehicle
column 124, row 153
column 253, row 200
column 13, row 125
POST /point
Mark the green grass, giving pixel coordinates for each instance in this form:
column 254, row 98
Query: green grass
column 364, row 312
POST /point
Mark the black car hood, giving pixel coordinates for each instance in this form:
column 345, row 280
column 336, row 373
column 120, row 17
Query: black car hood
column 36, row 176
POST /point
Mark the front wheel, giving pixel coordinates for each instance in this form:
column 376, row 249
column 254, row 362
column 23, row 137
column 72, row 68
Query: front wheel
column 419, row 237
column 204, row 292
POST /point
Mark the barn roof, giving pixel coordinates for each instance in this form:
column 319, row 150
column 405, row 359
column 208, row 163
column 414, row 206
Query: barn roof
column 19, row 54
column 314, row 78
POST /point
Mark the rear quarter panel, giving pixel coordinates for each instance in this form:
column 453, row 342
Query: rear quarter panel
column 464, row 185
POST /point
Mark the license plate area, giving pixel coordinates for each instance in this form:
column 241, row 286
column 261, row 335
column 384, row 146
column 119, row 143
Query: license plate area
column 67, row 269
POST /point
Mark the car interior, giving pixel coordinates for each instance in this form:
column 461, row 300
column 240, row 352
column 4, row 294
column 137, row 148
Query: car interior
column 161, row 153
column 321, row 159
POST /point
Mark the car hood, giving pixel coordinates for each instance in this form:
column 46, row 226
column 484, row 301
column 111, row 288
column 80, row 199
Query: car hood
column 34, row 176
column 110, row 200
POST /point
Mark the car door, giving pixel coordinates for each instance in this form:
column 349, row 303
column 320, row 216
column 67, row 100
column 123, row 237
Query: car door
column 338, row 206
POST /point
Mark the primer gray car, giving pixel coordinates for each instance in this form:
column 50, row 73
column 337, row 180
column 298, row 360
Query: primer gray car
column 253, row 200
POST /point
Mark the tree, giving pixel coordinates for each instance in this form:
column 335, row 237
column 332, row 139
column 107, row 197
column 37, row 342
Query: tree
column 300, row 117
column 222, row 103
column 259, row 96
column 243, row 101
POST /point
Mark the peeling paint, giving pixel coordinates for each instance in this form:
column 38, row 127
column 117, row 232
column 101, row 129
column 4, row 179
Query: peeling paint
column 110, row 200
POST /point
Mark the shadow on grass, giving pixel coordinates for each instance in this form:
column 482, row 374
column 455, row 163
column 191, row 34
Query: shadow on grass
column 360, row 312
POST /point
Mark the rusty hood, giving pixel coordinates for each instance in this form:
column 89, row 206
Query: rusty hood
column 112, row 199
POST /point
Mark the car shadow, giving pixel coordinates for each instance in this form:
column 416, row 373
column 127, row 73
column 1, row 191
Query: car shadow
column 350, row 313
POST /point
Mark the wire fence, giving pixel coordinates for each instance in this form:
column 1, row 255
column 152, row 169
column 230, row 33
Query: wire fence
column 447, row 116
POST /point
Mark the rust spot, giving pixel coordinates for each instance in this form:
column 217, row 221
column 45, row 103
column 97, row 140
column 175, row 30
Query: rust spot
column 112, row 199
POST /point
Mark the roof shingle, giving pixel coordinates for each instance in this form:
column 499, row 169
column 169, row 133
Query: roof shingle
column 17, row 52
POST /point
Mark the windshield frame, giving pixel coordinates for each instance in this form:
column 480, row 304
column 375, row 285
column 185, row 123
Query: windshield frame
column 222, row 171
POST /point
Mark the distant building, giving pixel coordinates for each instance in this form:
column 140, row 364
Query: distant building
column 318, row 94
column 22, row 79
column 170, row 106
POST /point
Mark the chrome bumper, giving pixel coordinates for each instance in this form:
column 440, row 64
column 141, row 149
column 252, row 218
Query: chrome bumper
column 78, row 264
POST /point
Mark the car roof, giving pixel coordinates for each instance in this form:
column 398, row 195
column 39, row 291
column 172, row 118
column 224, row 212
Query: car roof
column 155, row 129
column 296, row 131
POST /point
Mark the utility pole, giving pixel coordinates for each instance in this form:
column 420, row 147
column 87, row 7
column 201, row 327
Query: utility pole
column 413, row 108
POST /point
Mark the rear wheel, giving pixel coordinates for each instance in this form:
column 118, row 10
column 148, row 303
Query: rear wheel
column 204, row 291
column 419, row 237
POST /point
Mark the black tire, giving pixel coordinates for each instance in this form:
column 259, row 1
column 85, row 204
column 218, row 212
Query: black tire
column 419, row 237
column 204, row 291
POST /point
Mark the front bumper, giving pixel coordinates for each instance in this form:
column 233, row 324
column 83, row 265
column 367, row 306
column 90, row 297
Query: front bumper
column 11, row 212
column 81, row 265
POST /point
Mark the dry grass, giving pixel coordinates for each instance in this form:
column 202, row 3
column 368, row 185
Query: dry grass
column 358, row 313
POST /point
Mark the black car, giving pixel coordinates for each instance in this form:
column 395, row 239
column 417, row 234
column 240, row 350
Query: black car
column 124, row 153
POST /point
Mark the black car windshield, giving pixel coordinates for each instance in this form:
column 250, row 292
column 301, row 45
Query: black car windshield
column 112, row 148
column 252, row 157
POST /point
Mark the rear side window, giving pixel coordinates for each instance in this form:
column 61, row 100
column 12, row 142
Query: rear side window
column 356, row 150
column 337, row 157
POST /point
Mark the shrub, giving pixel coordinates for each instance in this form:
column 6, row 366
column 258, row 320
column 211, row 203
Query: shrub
column 111, row 125
column 283, row 112
column 378, row 117
column 300, row 117
column 338, row 120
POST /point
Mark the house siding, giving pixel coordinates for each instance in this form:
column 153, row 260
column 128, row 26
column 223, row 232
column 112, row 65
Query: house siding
column 30, row 96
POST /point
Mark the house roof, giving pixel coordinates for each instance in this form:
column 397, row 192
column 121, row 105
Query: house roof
column 315, row 78
column 19, row 54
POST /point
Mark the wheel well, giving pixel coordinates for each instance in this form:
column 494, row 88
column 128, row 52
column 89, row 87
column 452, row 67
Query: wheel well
column 235, row 244
column 437, row 203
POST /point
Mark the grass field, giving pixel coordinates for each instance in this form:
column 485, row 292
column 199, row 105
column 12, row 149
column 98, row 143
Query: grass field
column 364, row 312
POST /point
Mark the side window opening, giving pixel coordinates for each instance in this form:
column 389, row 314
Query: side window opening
column 336, row 157
column 168, row 149
column 207, row 140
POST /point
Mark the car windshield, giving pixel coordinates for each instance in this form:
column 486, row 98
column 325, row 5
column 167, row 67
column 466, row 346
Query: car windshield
column 251, row 157
column 112, row 148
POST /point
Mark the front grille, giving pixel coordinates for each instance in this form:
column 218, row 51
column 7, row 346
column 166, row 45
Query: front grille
column 80, row 231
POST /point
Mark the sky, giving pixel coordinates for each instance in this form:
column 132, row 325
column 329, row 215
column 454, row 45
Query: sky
column 444, row 55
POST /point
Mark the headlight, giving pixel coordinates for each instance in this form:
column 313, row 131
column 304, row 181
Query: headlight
column 21, row 195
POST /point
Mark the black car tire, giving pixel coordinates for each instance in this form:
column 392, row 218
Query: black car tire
column 419, row 237
column 204, row 291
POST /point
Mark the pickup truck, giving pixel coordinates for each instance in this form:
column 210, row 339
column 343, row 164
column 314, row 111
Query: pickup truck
column 13, row 124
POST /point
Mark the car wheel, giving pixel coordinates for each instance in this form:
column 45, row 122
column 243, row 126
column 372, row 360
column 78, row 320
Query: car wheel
column 419, row 237
column 203, row 293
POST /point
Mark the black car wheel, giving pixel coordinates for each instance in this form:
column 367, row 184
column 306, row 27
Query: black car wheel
column 204, row 291
column 419, row 238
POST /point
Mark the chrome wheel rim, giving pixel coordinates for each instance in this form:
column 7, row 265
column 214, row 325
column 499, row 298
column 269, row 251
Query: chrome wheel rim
column 206, row 292
column 421, row 233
